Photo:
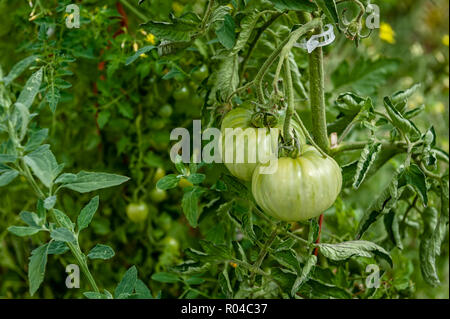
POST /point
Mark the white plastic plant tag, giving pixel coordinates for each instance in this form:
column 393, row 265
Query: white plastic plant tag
column 318, row 40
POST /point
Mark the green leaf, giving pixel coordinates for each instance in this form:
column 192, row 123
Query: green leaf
column 7, row 176
column 85, row 182
column 128, row 283
column 298, row 5
column 329, row 8
column 87, row 213
column 427, row 250
column 392, row 228
column 94, row 295
column 196, row 178
column 220, row 252
column 101, row 252
column 405, row 95
column 365, row 76
column 165, row 277
column 18, row 68
column 313, row 230
column 226, row 34
column 170, row 31
column 138, row 53
column 142, row 291
column 309, row 266
column 63, row 234
column 190, row 204
column 36, row 267
column 248, row 23
column 57, row 248
column 43, row 164
column 63, row 220
column 21, row 111
column 288, row 258
column 226, row 78
column 367, row 158
column 386, row 201
column 5, row 158
column 402, row 124
column 357, row 248
column 31, row 219
column 50, row 202
column 416, row 178
column 168, row 182
column 35, row 139
column 31, row 88
column 53, row 96
column 23, row 231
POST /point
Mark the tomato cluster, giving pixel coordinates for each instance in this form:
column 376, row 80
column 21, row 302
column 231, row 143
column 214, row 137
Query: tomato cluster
column 300, row 187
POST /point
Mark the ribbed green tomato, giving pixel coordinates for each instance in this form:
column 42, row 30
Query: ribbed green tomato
column 301, row 188
column 254, row 148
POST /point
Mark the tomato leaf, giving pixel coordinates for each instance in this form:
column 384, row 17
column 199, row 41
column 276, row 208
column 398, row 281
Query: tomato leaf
column 367, row 158
column 101, row 252
column 357, row 248
column 191, row 204
column 304, row 276
column 87, row 213
column 226, row 33
column 127, row 284
column 168, row 182
column 329, row 8
column 31, row 89
column 298, row 5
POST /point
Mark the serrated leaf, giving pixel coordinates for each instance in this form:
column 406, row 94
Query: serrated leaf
column 23, row 231
column 247, row 25
column 298, row 5
column 304, row 276
column 226, row 33
column 168, row 182
column 190, row 204
column 226, row 78
column 87, row 213
column 138, row 53
column 7, row 176
column 416, row 178
column 43, row 164
column 62, row 219
column 170, row 31
column 63, row 234
column 196, row 178
column 18, row 68
column 101, row 252
column 53, row 96
column 31, row 88
column 165, row 277
column 128, row 283
column 427, row 250
column 367, row 158
column 57, row 248
column 85, row 182
column 36, row 268
column 288, row 258
column 357, row 248
column 330, row 10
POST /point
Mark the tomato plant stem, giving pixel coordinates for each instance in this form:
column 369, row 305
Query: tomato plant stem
column 317, row 98
column 263, row 252
column 290, row 103
column 134, row 10
column 316, row 251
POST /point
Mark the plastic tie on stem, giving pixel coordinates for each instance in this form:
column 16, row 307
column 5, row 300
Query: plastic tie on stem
column 318, row 40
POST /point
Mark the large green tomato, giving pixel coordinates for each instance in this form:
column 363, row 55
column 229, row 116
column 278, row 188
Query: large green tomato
column 301, row 188
column 253, row 145
column 137, row 212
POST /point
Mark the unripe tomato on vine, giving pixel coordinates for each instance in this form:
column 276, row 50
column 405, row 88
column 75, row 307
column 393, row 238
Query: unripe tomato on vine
column 157, row 195
column 260, row 145
column 137, row 212
column 181, row 94
column 301, row 188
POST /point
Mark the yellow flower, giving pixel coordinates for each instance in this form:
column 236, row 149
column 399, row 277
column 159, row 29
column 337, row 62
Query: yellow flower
column 445, row 40
column 177, row 7
column 387, row 33
column 150, row 38
column 135, row 46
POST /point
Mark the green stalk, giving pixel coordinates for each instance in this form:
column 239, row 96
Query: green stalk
column 283, row 49
column 317, row 98
column 290, row 101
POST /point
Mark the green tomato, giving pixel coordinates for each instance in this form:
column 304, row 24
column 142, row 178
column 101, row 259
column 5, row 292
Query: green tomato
column 241, row 157
column 201, row 73
column 171, row 244
column 300, row 188
column 182, row 93
column 157, row 195
column 157, row 123
column 137, row 212
column 165, row 111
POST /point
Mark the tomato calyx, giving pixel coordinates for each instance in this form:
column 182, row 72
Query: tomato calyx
column 264, row 119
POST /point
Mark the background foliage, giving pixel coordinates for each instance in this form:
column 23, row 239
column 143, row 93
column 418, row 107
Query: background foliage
column 107, row 115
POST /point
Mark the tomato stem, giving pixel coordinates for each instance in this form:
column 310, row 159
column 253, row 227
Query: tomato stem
column 316, row 251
